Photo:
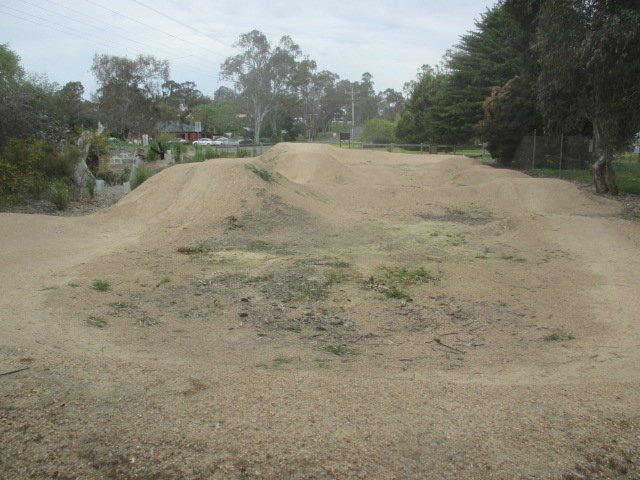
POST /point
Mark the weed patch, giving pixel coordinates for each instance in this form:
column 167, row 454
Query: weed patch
column 198, row 249
column 100, row 285
column 409, row 277
column 340, row 350
column 398, row 294
column 97, row 322
column 559, row 337
column 122, row 305
column 260, row 246
column 263, row 174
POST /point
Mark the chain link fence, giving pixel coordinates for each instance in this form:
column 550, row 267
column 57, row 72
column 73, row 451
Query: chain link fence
column 554, row 152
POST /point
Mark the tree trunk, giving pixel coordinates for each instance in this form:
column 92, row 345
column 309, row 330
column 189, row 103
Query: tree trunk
column 160, row 150
column 138, row 161
column 81, row 174
column 611, row 176
column 598, row 174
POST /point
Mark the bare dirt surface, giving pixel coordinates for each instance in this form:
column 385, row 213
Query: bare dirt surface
column 365, row 315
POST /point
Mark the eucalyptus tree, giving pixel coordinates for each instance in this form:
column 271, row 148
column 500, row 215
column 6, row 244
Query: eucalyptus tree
column 129, row 94
column 588, row 55
column 262, row 73
column 390, row 103
column 314, row 90
column 415, row 124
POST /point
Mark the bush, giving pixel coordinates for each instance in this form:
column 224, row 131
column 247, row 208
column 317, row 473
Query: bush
column 91, row 188
column 378, row 130
column 60, row 192
column 176, row 152
column 141, row 174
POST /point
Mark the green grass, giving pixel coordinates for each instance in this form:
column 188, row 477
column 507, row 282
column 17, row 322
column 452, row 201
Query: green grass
column 323, row 363
column 514, row 258
column 141, row 175
column 263, row 174
column 198, row 249
column 398, row 294
column 627, row 174
column 455, row 211
column 260, row 246
column 97, row 322
column 100, row 285
column 279, row 361
column 122, row 305
column 559, row 337
column 409, row 277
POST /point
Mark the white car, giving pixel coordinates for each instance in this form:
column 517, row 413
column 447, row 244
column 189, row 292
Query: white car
column 203, row 141
column 225, row 142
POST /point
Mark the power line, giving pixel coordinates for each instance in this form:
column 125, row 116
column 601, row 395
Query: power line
column 190, row 27
column 153, row 28
column 66, row 29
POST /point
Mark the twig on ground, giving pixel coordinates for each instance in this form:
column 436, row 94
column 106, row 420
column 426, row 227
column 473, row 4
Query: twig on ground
column 14, row 371
column 439, row 342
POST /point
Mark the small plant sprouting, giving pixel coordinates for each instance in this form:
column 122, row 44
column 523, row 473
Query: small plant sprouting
column 263, row 174
column 514, row 258
column 409, row 277
column 147, row 321
column 283, row 361
column 398, row 294
column 323, row 363
column 122, row 305
column 340, row 350
column 455, row 211
column 163, row 281
column 559, row 337
column 97, row 322
column 201, row 248
column 260, row 246
column 100, row 285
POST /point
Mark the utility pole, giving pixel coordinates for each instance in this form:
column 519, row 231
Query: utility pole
column 353, row 116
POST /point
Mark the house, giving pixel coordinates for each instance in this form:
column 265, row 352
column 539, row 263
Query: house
column 188, row 132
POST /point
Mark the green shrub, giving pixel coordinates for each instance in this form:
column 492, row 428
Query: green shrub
column 60, row 193
column 151, row 155
column 100, row 285
column 141, row 174
column 91, row 188
column 176, row 152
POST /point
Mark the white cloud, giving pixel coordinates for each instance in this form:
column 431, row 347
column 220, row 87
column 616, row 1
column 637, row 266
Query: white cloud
column 390, row 40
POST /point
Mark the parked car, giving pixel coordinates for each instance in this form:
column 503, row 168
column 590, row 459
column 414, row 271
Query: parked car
column 182, row 141
column 203, row 141
column 225, row 142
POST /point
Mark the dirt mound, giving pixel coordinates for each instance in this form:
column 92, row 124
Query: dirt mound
column 324, row 313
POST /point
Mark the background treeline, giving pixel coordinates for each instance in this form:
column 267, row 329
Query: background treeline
column 561, row 66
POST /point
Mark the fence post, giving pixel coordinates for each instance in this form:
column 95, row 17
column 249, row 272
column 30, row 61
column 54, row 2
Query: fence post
column 561, row 151
column 533, row 157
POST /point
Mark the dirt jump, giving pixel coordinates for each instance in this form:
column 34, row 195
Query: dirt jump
column 323, row 313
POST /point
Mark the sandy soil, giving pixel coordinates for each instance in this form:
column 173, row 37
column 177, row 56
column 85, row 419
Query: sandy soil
column 365, row 315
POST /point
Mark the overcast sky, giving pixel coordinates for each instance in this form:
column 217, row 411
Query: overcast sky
column 389, row 39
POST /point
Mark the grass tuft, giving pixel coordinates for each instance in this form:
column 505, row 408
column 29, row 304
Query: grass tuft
column 100, row 285
column 260, row 246
column 340, row 350
column 263, row 174
column 559, row 337
column 198, row 249
column 97, row 322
